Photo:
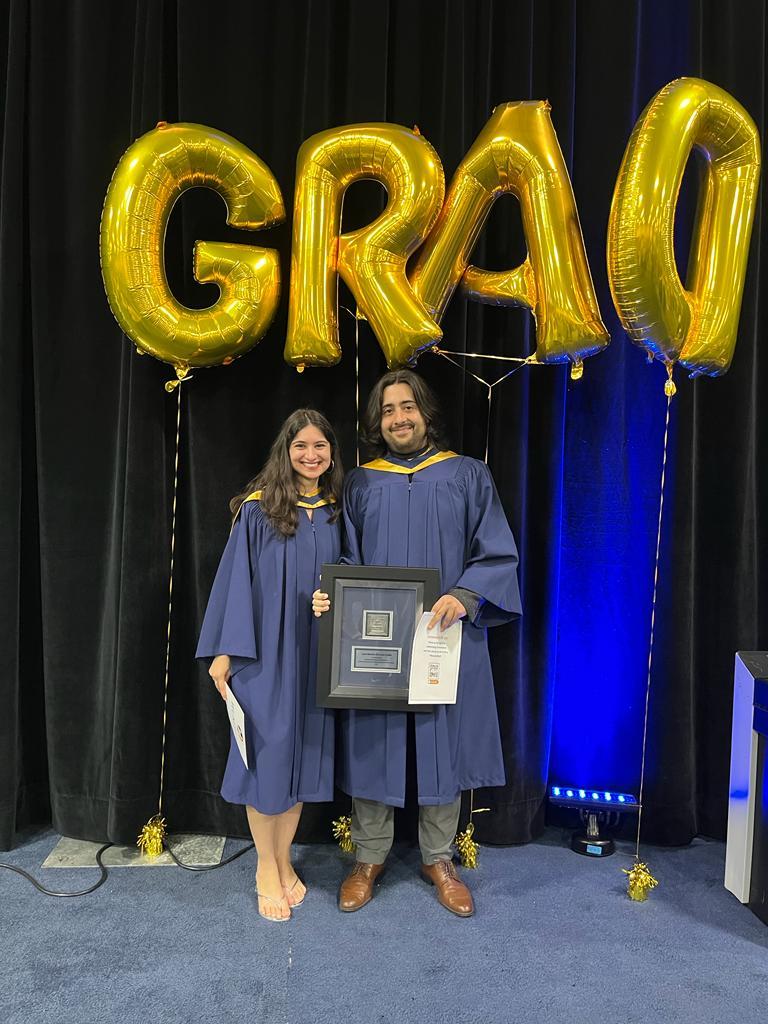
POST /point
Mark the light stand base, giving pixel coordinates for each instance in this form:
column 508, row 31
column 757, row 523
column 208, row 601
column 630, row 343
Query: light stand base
column 590, row 843
column 592, row 846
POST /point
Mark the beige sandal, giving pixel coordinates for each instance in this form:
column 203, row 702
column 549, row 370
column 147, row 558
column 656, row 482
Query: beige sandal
column 269, row 899
column 289, row 889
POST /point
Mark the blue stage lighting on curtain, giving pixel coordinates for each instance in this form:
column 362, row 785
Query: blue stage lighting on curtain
column 607, row 549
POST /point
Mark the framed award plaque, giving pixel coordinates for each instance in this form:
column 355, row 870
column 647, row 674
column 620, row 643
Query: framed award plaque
column 365, row 640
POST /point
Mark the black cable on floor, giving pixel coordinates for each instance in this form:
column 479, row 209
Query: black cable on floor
column 105, row 871
column 205, row 867
column 64, row 895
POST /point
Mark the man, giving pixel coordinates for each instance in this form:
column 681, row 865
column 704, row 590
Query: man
column 420, row 505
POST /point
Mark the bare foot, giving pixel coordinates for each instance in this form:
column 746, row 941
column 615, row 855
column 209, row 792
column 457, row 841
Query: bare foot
column 272, row 899
column 293, row 887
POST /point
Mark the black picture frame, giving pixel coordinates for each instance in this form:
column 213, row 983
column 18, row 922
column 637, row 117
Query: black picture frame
column 355, row 669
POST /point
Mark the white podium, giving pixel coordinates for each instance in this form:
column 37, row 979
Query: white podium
column 746, row 855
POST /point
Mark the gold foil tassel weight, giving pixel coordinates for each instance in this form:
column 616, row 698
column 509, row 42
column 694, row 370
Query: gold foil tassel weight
column 342, row 831
column 640, row 881
column 152, row 837
column 467, row 847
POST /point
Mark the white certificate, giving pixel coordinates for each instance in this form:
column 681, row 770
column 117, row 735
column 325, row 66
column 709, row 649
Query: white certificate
column 237, row 721
column 435, row 657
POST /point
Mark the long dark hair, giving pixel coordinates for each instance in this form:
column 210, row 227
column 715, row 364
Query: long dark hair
column 277, row 481
column 370, row 432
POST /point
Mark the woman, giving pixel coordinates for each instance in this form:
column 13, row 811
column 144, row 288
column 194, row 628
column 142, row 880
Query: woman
column 258, row 628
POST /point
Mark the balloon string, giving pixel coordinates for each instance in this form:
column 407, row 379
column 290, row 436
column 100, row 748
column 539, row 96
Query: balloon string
column 356, row 318
column 472, row 808
column 357, row 342
column 521, row 362
column 338, row 307
column 483, row 355
column 357, row 387
column 528, row 361
column 488, row 425
column 170, row 596
column 653, row 620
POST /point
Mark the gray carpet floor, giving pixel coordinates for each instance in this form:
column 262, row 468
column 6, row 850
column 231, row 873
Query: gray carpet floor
column 555, row 939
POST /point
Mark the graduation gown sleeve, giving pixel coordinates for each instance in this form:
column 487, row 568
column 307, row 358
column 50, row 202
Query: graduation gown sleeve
column 229, row 625
column 490, row 564
column 351, row 552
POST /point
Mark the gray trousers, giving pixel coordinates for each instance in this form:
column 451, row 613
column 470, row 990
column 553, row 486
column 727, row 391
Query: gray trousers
column 373, row 829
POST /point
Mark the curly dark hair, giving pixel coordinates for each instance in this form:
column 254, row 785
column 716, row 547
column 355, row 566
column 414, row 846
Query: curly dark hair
column 277, row 481
column 429, row 407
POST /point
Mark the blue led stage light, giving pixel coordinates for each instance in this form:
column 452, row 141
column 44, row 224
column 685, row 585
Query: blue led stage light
column 573, row 796
column 596, row 807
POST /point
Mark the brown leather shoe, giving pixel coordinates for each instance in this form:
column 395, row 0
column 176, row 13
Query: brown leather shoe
column 451, row 891
column 357, row 888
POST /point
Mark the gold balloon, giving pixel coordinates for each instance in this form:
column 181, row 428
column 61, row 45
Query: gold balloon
column 517, row 152
column 696, row 324
column 150, row 177
column 371, row 261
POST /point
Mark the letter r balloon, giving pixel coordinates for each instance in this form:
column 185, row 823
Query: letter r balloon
column 371, row 261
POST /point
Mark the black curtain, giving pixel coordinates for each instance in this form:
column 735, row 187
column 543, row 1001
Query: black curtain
column 88, row 432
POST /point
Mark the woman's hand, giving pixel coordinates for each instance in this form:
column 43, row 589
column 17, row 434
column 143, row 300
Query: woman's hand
column 320, row 603
column 220, row 673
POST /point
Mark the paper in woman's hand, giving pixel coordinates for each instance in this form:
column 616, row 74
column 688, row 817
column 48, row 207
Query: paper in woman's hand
column 237, row 721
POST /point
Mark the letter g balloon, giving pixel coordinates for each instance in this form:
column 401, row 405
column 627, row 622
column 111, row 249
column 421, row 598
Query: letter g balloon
column 149, row 179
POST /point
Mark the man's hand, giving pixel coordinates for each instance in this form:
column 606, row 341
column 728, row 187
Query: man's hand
column 220, row 672
column 320, row 603
column 446, row 610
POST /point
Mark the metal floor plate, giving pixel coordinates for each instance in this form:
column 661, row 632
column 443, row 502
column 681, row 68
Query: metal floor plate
column 192, row 849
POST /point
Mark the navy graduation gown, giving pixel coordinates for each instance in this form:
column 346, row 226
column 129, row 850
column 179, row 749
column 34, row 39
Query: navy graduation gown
column 260, row 614
column 439, row 510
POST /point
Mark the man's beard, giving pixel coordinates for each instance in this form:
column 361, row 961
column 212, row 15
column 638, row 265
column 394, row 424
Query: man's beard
column 407, row 445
